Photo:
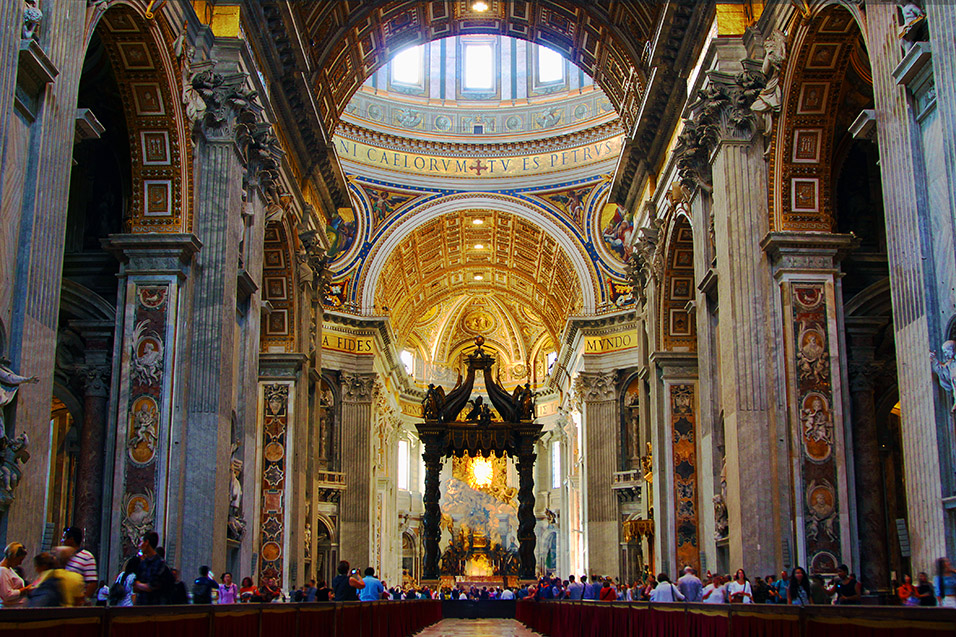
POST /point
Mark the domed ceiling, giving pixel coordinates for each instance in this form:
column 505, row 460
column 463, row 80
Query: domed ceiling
column 479, row 210
column 527, row 92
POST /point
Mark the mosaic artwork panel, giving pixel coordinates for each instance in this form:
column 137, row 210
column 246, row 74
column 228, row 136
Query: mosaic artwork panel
column 816, row 427
column 684, row 438
column 275, row 414
column 144, row 416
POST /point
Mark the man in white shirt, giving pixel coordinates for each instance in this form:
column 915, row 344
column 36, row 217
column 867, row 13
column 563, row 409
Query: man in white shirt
column 665, row 591
column 507, row 594
column 82, row 561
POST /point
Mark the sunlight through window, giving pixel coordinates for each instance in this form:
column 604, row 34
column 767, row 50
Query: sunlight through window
column 403, row 465
column 407, row 66
column 408, row 361
column 550, row 65
column 479, row 67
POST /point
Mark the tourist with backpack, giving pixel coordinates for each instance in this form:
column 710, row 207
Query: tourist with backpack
column 203, row 587
column 154, row 581
column 121, row 592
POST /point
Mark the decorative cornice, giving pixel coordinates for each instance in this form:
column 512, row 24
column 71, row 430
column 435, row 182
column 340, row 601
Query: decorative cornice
column 544, row 144
column 807, row 251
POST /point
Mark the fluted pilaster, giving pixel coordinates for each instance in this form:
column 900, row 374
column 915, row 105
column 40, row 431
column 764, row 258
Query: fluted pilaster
column 597, row 393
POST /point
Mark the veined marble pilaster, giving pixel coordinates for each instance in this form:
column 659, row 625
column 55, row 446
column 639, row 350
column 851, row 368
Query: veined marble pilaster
column 223, row 134
column 281, row 512
column 143, row 435
column 806, row 269
column 679, row 520
column 599, row 420
column 355, row 506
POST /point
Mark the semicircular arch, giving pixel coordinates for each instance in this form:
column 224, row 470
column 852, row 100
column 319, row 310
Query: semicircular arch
column 584, row 270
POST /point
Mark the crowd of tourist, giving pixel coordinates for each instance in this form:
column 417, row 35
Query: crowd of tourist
column 796, row 588
column 67, row 576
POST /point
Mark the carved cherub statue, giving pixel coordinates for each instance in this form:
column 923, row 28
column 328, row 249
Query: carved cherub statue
column 945, row 370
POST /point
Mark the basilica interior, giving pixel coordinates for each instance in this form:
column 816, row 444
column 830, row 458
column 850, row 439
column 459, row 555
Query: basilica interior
column 465, row 291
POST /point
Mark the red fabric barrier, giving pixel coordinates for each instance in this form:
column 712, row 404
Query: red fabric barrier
column 314, row 621
column 874, row 628
column 762, row 625
column 186, row 624
column 707, row 623
column 241, row 623
column 74, row 627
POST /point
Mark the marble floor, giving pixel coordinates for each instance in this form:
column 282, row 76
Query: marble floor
column 478, row 628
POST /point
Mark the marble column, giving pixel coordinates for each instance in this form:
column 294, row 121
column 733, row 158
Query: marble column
column 599, row 420
column 356, row 502
column 864, row 371
column 95, row 377
column 746, row 362
column 922, row 274
column 220, row 135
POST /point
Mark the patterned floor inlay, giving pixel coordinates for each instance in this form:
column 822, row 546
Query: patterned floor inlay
column 478, row 628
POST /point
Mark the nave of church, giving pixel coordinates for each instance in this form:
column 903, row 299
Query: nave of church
column 476, row 293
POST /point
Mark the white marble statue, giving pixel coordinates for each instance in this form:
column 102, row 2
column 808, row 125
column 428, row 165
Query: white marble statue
column 945, row 370
column 9, row 384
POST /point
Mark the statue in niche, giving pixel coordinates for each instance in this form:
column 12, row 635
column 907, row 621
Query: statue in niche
column 307, row 538
column 9, row 384
column 768, row 100
column 13, row 452
column 236, row 524
column 722, row 525
column 912, row 20
column 945, row 370
column 32, row 16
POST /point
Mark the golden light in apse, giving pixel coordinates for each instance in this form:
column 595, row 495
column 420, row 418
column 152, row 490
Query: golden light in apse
column 481, row 472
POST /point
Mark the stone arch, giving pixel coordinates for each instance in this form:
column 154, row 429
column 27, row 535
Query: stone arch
column 150, row 80
column 825, row 44
column 607, row 40
column 678, row 329
column 279, row 326
column 584, row 270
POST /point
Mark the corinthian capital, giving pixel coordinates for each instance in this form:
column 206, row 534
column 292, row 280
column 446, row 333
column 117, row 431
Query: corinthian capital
column 722, row 110
column 595, row 387
column 357, row 388
column 95, row 379
column 225, row 103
